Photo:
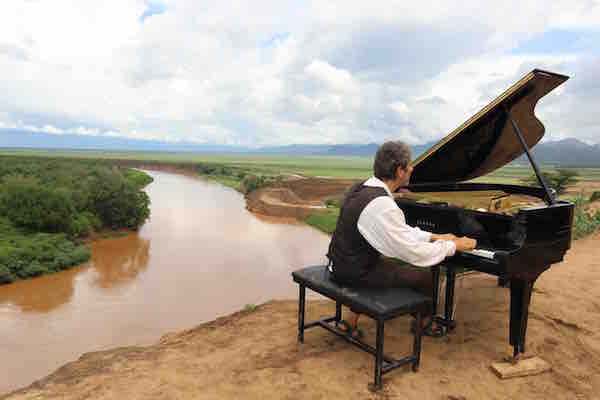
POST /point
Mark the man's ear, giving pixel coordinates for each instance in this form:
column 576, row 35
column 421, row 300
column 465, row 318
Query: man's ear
column 400, row 172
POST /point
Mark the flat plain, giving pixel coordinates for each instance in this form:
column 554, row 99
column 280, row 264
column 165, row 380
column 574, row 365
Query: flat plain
column 313, row 166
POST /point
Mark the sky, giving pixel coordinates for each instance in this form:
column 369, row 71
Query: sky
column 257, row 73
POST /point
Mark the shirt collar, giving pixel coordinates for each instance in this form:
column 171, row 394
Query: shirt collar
column 376, row 182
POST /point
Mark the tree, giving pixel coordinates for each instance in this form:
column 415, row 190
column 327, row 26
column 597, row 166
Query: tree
column 118, row 202
column 38, row 208
column 558, row 180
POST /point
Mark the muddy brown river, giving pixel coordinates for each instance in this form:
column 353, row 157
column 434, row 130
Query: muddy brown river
column 201, row 255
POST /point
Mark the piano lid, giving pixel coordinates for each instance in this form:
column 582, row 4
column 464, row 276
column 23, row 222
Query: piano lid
column 487, row 141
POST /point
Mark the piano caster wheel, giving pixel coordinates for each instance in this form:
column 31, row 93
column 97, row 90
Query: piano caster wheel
column 451, row 326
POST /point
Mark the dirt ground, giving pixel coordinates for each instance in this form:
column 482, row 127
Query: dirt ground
column 255, row 355
column 297, row 197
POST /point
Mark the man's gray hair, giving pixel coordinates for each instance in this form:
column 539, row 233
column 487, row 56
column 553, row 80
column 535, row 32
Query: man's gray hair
column 389, row 157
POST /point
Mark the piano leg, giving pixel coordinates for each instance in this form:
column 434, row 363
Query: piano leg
column 435, row 285
column 520, row 297
column 445, row 321
column 449, row 308
column 502, row 281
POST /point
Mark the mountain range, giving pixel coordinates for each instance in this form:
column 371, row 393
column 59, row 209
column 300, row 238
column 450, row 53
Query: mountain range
column 567, row 152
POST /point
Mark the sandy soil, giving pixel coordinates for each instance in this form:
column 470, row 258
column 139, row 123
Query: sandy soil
column 585, row 187
column 254, row 354
column 297, row 197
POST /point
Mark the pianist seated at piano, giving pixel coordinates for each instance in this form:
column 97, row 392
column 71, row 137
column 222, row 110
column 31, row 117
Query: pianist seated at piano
column 373, row 246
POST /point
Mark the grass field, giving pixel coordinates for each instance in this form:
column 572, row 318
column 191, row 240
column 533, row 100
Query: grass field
column 332, row 166
column 339, row 167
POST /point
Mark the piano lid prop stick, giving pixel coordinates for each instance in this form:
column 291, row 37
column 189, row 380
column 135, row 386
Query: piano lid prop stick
column 551, row 199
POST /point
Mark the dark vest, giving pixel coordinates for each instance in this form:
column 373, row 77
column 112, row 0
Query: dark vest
column 350, row 254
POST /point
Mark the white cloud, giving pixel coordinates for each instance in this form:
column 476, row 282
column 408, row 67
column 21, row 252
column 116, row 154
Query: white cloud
column 400, row 107
column 52, row 129
column 334, row 78
column 266, row 72
column 82, row 130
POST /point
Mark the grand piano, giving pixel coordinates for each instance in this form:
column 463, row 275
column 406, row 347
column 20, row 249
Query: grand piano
column 520, row 230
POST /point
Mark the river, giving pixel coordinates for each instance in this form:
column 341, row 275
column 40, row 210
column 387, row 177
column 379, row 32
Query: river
column 200, row 255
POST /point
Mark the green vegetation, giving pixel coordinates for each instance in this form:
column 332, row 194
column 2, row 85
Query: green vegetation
column 585, row 222
column 324, row 221
column 559, row 180
column 267, row 165
column 25, row 254
column 272, row 165
column 250, row 307
column 47, row 205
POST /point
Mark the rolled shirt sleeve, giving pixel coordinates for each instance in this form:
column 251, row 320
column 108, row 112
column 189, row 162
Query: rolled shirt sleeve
column 383, row 225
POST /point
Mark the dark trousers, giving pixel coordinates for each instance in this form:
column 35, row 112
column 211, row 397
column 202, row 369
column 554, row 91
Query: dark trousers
column 389, row 273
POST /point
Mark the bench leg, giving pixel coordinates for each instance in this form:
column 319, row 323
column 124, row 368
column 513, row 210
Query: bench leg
column 301, row 304
column 379, row 354
column 338, row 311
column 417, row 342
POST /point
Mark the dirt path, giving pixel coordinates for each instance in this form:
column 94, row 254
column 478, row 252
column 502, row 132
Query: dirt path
column 254, row 355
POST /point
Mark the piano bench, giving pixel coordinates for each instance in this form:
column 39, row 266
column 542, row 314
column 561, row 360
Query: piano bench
column 379, row 304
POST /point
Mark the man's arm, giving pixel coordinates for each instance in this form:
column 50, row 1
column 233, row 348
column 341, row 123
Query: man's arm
column 383, row 225
column 441, row 236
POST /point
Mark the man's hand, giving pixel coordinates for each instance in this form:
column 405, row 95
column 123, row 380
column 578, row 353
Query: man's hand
column 442, row 236
column 465, row 243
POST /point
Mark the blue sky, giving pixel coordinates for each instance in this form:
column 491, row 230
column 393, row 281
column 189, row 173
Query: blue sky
column 560, row 42
column 272, row 73
column 152, row 8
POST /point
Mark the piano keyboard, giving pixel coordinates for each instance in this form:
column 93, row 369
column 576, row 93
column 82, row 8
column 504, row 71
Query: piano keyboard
column 481, row 253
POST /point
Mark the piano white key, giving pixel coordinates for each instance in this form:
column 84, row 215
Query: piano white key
column 481, row 253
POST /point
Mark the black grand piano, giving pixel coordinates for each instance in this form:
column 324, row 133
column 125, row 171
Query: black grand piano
column 516, row 242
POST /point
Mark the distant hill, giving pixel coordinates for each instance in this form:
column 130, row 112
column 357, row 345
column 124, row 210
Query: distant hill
column 322, row 150
column 567, row 152
column 363, row 150
column 40, row 140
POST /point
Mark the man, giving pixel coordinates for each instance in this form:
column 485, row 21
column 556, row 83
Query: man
column 371, row 224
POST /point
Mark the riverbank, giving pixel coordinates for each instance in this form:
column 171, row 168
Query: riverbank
column 254, row 354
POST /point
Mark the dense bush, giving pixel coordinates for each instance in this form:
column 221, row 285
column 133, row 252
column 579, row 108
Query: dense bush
column 47, row 203
column 584, row 222
column 595, row 196
column 138, row 178
column 38, row 208
column 73, row 197
column 252, row 182
column 27, row 255
column 117, row 201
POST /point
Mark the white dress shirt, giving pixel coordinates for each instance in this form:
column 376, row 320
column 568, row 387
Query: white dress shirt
column 383, row 225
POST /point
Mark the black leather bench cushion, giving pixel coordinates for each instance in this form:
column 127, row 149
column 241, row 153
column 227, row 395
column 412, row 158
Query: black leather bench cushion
column 376, row 303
